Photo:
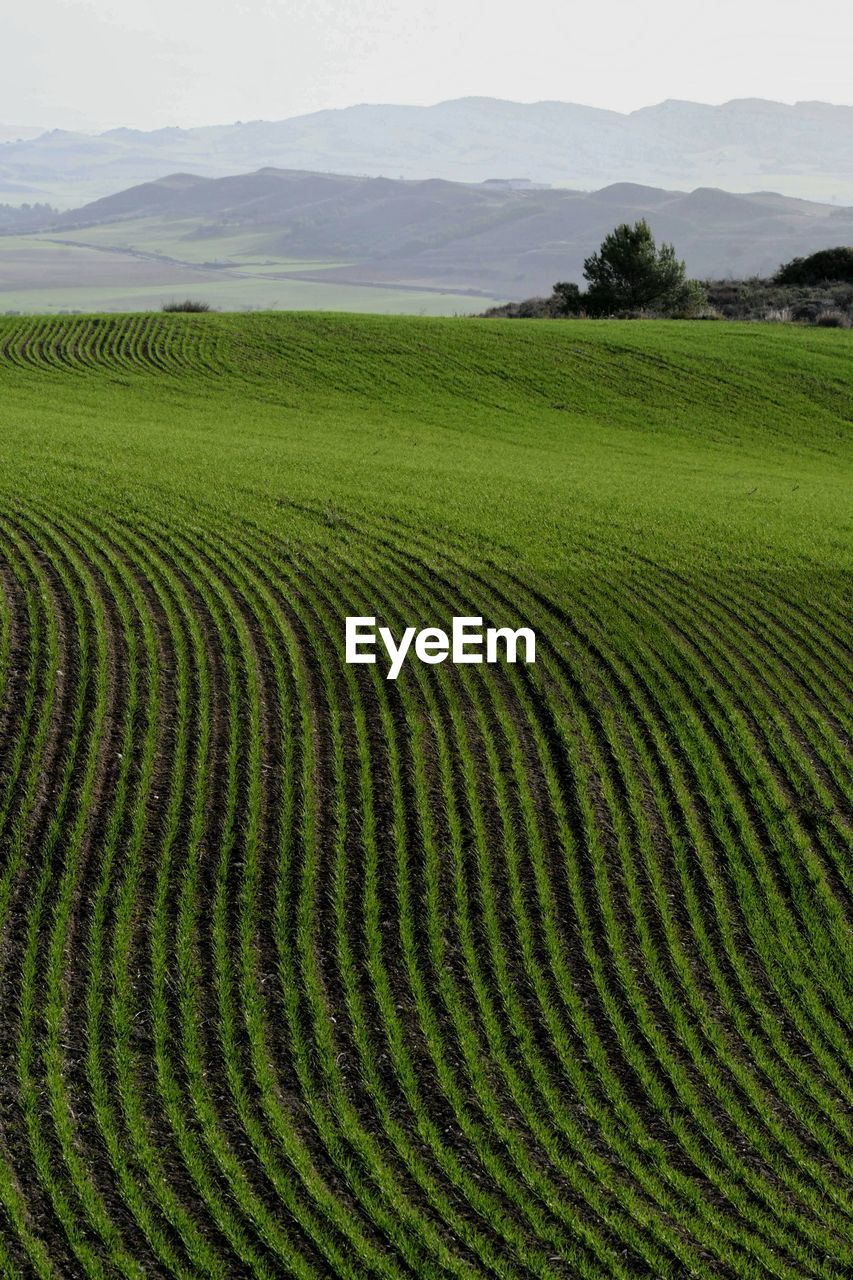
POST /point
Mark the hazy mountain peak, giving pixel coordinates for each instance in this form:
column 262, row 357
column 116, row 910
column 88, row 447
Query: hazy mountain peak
column 743, row 145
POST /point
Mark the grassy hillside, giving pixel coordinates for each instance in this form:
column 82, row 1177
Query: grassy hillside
column 490, row 971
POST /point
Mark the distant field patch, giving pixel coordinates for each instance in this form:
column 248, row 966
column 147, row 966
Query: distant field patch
column 141, row 265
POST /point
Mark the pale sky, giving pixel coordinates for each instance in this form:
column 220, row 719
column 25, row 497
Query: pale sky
column 100, row 63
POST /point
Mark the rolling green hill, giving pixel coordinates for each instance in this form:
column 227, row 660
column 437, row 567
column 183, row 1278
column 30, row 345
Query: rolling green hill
column 532, row 970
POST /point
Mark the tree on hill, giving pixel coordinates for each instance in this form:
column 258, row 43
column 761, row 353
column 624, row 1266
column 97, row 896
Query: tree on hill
column 567, row 299
column 827, row 265
column 630, row 273
column 26, row 217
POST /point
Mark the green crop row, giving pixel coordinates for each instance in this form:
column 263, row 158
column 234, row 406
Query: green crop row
column 500, row 970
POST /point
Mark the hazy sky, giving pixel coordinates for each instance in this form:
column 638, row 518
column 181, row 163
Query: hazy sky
column 99, row 63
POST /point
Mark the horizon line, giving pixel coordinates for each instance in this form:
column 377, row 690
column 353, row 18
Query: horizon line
column 429, row 106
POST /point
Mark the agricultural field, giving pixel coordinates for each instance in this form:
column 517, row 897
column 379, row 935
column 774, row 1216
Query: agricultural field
column 141, row 266
column 488, row 971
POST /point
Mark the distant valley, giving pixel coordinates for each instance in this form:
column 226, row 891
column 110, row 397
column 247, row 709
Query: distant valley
column 294, row 239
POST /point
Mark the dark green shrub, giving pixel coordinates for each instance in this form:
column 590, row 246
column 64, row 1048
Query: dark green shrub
column 566, row 300
column 188, row 304
column 834, row 318
column 819, row 268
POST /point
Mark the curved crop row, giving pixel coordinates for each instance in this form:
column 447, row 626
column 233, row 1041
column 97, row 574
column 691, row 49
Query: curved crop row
column 118, row 344
column 489, row 971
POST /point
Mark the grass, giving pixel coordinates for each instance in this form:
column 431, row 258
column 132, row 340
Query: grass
column 489, row 971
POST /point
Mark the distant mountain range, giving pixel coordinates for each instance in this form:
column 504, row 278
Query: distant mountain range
column 489, row 238
column 804, row 150
column 19, row 133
